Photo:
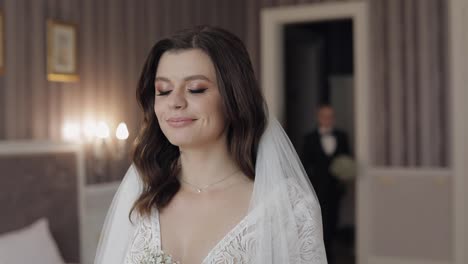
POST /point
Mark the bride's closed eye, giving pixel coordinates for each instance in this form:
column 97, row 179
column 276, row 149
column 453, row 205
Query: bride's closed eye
column 193, row 91
column 198, row 90
column 162, row 93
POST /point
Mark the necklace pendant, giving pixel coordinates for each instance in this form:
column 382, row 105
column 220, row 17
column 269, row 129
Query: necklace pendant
column 199, row 190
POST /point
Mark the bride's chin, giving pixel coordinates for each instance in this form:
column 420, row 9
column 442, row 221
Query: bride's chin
column 182, row 143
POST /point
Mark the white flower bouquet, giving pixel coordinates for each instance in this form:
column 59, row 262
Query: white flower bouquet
column 151, row 256
column 344, row 167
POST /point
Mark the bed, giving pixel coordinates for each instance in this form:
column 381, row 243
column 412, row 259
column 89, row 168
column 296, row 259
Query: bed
column 41, row 189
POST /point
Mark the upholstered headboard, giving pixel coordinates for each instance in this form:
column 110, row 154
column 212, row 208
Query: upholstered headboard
column 40, row 179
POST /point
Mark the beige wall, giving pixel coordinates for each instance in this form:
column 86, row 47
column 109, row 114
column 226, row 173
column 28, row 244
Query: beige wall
column 411, row 214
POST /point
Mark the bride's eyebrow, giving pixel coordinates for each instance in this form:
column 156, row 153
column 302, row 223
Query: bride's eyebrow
column 162, row 79
column 188, row 78
column 197, row 77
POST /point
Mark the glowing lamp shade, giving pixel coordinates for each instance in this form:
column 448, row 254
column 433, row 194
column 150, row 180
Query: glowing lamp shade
column 122, row 131
column 102, row 130
column 89, row 130
column 71, row 131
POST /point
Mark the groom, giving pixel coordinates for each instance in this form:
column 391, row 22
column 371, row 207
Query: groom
column 320, row 148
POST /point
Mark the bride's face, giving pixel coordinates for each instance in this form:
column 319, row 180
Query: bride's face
column 187, row 103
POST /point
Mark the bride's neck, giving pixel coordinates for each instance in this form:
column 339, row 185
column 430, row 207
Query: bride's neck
column 203, row 166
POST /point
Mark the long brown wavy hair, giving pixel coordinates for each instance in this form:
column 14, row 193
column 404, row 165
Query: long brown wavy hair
column 245, row 113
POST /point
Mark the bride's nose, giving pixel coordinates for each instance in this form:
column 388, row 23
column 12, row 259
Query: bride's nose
column 177, row 99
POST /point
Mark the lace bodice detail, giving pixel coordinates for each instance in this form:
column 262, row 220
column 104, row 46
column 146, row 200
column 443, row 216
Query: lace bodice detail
column 239, row 245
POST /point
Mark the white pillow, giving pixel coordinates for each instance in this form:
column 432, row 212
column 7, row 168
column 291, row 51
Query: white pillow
column 33, row 244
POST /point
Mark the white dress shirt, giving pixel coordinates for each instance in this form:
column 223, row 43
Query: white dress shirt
column 328, row 141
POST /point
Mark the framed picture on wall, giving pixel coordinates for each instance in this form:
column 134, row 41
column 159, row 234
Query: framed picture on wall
column 2, row 57
column 62, row 52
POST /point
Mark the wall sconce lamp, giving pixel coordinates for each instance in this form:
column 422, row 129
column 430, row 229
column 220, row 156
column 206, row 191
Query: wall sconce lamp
column 96, row 137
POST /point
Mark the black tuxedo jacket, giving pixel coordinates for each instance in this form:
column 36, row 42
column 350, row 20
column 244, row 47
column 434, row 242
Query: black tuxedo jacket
column 317, row 163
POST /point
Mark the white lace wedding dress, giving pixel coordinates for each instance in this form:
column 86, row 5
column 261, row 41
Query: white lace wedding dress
column 238, row 245
column 283, row 225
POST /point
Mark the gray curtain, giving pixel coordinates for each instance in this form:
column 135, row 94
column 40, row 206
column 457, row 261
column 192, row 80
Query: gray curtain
column 114, row 38
column 410, row 124
column 409, row 86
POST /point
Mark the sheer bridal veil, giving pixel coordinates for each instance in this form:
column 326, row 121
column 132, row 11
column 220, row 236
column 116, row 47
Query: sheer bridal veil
column 288, row 228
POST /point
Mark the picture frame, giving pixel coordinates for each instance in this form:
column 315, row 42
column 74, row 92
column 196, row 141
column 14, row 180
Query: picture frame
column 2, row 41
column 62, row 54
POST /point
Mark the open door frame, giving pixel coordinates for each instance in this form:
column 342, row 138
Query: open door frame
column 458, row 75
column 273, row 21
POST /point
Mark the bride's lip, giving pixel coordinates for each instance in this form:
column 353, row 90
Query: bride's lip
column 180, row 121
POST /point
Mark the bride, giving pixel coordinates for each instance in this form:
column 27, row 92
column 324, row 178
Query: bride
column 213, row 180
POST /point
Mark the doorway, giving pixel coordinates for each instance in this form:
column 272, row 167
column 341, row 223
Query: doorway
column 318, row 69
column 318, row 60
column 317, row 54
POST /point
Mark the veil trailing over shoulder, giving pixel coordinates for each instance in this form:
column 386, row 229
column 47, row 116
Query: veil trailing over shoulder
column 288, row 228
column 117, row 231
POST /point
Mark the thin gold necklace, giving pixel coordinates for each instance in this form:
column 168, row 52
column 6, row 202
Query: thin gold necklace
column 199, row 189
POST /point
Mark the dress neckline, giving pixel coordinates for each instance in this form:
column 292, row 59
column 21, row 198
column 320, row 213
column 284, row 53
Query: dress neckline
column 227, row 238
